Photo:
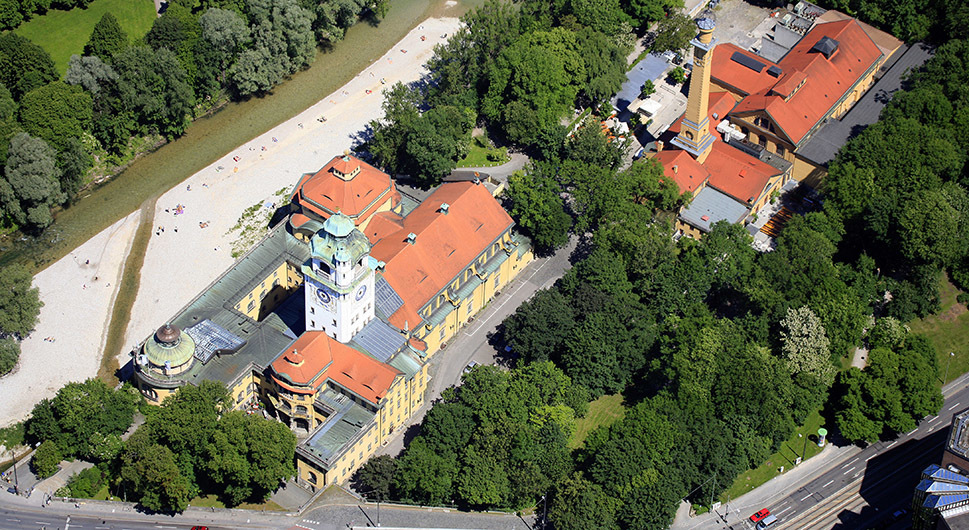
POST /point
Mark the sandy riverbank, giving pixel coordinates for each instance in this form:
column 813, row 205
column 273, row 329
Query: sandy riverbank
column 178, row 265
column 78, row 292
column 184, row 258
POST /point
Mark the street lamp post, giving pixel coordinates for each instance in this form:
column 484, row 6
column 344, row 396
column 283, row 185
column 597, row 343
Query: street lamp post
column 947, row 362
column 544, row 509
column 16, row 483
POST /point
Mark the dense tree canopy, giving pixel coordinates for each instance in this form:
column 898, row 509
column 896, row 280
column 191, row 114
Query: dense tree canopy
column 19, row 301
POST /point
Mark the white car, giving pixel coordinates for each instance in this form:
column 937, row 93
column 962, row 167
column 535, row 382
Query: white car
column 470, row 366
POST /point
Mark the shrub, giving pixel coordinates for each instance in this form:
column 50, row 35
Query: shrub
column 46, row 459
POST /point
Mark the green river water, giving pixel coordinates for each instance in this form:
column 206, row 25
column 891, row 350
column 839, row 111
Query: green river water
column 211, row 137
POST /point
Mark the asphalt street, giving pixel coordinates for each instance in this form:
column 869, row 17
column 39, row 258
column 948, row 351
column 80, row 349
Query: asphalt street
column 859, row 488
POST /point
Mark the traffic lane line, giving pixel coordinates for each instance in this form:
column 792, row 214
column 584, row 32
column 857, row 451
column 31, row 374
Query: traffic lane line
column 954, row 406
column 849, row 471
column 828, row 483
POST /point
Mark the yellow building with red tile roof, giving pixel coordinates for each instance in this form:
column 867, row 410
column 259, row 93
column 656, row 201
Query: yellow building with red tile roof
column 330, row 320
column 345, row 184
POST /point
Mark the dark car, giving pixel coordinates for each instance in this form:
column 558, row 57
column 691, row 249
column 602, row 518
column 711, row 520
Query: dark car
column 899, row 514
column 759, row 516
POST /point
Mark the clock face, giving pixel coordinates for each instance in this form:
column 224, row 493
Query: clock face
column 324, row 297
column 361, row 291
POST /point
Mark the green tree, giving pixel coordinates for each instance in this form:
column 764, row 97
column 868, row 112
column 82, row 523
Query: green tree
column 226, row 32
column 150, row 473
column 604, row 16
column 677, row 75
column 73, row 162
column 376, row 477
column 56, row 113
column 9, row 355
column 10, row 15
column 538, row 208
column 107, row 38
column 648, row 89
column 26, row 65
column 91, row 73
column 19, row 302
column 424, row 476
column 673, row 33
column 580, row 504
column 536, row 330
column 645, row 12
column 46, row 459
column 153, row 86
column 590, row 145
column 436, row 141
column 31, row 187
column 86, row 483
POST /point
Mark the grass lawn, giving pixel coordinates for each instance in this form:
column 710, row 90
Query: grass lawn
column 478, row 154
column 604, row 411
column 789, row 450
column 211, row 501
column 948, row 331
column 64, row 33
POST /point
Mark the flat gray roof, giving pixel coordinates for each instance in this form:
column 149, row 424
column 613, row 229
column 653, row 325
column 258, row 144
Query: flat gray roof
column 824, row 145
column 710, row 206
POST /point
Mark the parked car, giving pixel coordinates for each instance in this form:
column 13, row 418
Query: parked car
column 470, row 366
column 759, row 516
column 899, row 514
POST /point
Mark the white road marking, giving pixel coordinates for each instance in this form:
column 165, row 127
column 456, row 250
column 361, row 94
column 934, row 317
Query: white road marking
column 41, row 522
column 849, row 463
column 891, row 444
column 806, row 497
column 828, row 484
column 913, row 432
column 849, row 471
column 937, row 418
column 931, row 429
column 954, row 406
column 784, row 510
column 870, row 457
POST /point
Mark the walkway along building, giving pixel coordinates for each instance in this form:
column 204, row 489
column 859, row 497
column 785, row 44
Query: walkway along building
column 330, row 320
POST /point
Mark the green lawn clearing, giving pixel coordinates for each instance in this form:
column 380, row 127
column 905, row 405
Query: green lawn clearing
column 64, row 33
column 602, row 412
column 211, row 501
column 785, row 456
column 483, row 154
column 948, row 331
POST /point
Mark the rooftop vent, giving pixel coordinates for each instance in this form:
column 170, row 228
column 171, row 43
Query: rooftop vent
column 444, row 207
column 412, row 238
column 826, row 45
column 775, row 71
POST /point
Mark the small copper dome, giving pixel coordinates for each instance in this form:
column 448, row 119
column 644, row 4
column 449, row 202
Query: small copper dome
column 168, row 334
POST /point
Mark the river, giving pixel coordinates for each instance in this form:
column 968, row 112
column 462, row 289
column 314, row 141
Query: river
column 210, row 137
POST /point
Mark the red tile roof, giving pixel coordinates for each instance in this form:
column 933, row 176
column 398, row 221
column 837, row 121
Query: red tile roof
column 382, row 225
column 445, row 244
column 826, row 80
column 728, row 169
column 736, row 173
column 315, row 358
column 683, row 169
column 325, row 193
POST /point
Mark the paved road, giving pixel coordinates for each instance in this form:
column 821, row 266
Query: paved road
column 849, row 487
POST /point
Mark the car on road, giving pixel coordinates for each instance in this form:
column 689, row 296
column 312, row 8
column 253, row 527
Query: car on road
column 899, row 514
column 470, row 366
column 200, row 528
column 759, row 516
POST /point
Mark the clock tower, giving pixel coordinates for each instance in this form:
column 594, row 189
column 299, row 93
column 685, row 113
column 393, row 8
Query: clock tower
column 338, row 280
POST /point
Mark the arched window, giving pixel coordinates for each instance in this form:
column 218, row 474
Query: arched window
column 312, row 477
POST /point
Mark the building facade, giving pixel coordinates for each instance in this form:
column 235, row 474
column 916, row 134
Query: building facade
column 328, row 323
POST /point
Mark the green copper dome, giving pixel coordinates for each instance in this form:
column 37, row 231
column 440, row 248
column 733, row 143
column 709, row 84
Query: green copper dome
column 338, row 225
column 170, row 344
